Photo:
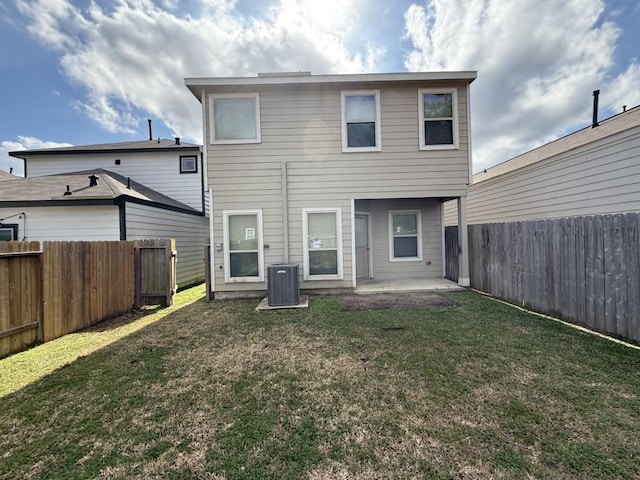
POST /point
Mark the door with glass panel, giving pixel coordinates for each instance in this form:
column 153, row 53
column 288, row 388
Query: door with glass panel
column 243, row 246
column 362, row 246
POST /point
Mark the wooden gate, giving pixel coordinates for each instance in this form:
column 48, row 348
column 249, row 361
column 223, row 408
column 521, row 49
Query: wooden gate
column 20, row 294
column 155, row 272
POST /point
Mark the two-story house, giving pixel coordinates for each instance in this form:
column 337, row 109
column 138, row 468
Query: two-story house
column 117, row 191
column 343, row 174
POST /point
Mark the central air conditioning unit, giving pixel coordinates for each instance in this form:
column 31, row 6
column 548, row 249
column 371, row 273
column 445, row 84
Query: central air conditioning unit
column 283, row 288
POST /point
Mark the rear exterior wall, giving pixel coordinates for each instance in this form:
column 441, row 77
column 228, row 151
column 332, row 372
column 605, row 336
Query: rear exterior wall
column 300, row 164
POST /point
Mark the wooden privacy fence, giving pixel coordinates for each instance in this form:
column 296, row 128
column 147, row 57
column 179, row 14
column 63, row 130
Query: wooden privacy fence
column 67, row 286
column 582, row 269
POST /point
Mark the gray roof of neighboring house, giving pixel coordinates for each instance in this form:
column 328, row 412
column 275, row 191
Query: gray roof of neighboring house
column 158, row 145
column 609, row 126
column 6, row 176
column 51, row 188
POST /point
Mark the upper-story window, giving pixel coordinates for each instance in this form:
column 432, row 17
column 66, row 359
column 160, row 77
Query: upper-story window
column 235, row 118
column 361, row 121
column 188, row 164
column 438, row 118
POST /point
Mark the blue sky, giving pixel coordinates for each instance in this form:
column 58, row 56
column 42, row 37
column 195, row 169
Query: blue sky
column 82, row 72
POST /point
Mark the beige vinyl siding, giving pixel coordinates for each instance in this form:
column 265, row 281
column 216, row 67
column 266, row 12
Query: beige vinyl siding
column 190, row 231
column 296, row 242
column 431, row 264
column 301, row 136
column 65, row 223
column 157, row 170
column 602, row 177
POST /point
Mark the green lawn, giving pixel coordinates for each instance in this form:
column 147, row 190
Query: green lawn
column 218, row 391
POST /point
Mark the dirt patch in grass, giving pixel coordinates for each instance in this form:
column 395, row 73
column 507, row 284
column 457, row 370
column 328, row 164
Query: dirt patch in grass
column 386, row 301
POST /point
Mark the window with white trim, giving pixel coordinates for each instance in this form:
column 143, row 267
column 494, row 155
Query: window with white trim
column 438, row 118
column 8, row 232
column 405, row 235
column 361, row 121
column 188, row 164
column 234, row 118
column 322, row 247
column 243, row 246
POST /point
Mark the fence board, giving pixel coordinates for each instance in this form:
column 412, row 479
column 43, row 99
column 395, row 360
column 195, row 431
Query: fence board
column 581, row 317
column 632, row 254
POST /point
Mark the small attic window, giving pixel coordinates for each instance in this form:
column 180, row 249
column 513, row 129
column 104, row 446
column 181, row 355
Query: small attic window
column 188, row 164
column 8, row 232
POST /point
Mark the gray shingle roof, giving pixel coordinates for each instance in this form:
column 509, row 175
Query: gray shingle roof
column 110, row 186
column 129, row 147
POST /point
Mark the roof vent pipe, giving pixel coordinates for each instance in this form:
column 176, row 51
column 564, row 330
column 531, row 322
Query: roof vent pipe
column 150, row 132
column 624, row 108
column 596, row 93
column 177, row 140
column 68, row 192
column 93, row 181
column 129, row 183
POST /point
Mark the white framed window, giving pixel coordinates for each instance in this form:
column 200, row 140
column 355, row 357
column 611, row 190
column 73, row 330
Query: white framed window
column 361, row 121
column 405, row 235
column 8, row 232
column 438, row 118
column 234, row 118
column 188, row 164
column 243, row 246
column 322, row 243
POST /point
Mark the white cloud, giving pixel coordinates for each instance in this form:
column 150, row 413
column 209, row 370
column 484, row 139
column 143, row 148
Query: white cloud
column 537, row 63
column 132, row 59
column 22, row 143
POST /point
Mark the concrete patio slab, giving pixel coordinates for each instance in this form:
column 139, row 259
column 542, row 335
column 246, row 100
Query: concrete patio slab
column 264, row 304
column 406, row 285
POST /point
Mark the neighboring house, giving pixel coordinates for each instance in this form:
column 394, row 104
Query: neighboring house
column 342, row 174
column 6, row 176
column 593, row 171
column 101, row 205
column 171, row 167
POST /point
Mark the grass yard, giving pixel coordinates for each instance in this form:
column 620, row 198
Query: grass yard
column 218, row 391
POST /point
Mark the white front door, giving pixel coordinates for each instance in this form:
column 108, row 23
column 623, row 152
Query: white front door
column 362, row 246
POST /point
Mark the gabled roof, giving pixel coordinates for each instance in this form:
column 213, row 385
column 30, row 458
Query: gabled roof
column 195, row 85
column 159, row 145
column 610, row 126
column 50, row 189
column 6, row 176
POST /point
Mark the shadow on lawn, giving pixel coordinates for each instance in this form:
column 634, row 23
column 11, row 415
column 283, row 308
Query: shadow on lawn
column 29, row 366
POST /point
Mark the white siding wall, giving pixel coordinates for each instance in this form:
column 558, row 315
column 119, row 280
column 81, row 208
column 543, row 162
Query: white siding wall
column 301, row 132
column 157, row 170
column 65, row 223
column 191, row 233
column 599, row 178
